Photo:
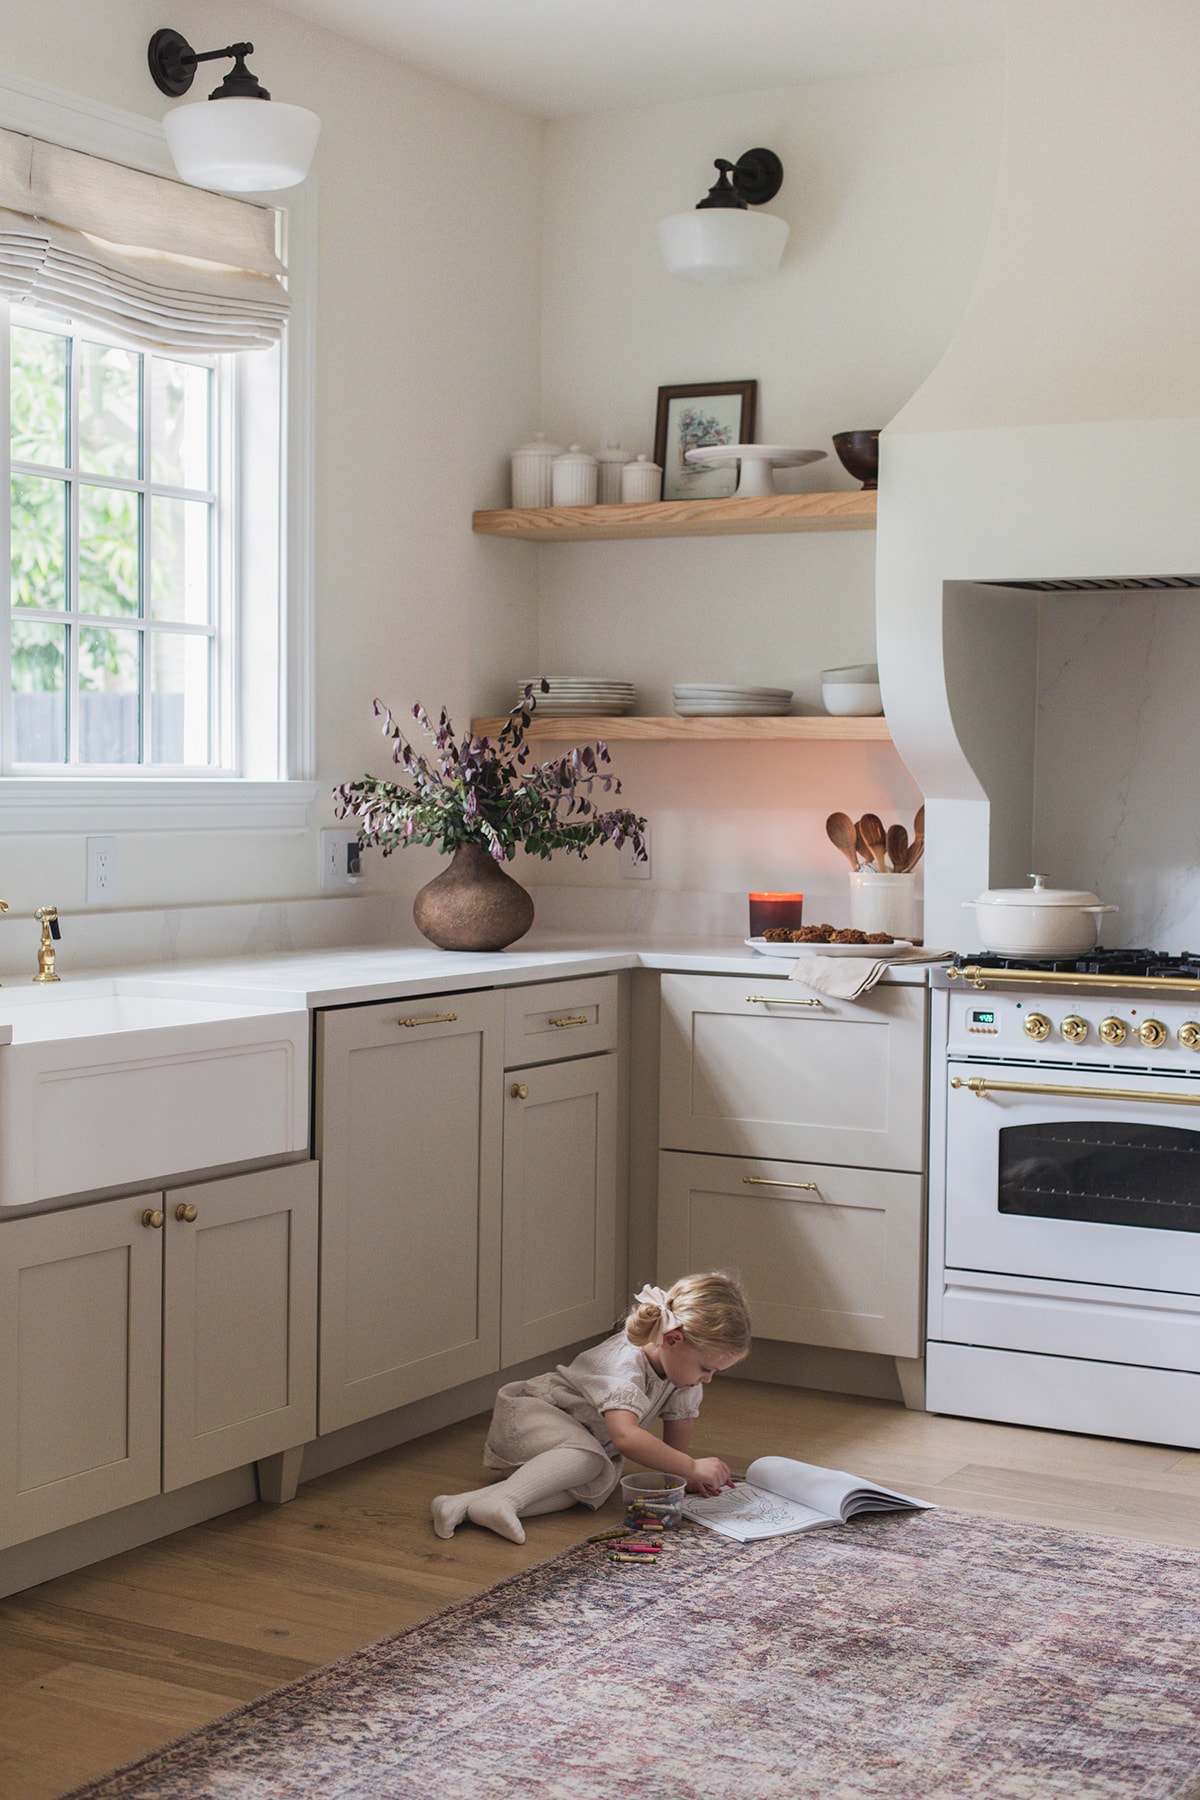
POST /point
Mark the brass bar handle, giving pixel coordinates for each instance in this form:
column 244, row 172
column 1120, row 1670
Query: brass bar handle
column 152, row 1219
column 571, row 1019
column 984, row 978
column 765, row 1181
column 186, row 1214
column 981, row 1089
column 773, row 1000
column 429, row 1019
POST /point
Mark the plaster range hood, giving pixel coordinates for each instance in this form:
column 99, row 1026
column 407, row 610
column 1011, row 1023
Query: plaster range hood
column 1054, row 452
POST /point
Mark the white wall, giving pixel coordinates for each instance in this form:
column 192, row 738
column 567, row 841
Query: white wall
column 888, row 189
column 429, row 263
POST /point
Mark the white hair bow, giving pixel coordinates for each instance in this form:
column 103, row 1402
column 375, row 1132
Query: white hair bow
column 654, row 1296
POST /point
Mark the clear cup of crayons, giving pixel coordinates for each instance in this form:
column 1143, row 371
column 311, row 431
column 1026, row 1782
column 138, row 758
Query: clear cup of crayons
column 651, row 1501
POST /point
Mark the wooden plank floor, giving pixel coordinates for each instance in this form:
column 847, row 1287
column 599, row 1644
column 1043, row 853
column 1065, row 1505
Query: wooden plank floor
column 98, row 1667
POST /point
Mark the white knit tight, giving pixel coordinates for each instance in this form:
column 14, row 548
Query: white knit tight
column 540, row 1486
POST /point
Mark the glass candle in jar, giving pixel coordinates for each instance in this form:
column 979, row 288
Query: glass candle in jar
column 783, row 910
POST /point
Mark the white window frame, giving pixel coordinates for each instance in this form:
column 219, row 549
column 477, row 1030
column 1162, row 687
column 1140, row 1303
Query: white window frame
column 142, row 800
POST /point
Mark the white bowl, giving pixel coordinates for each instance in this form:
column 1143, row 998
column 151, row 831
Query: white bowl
column 852, row 699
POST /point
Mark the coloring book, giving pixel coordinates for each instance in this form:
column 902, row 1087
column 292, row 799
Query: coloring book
column 780, row 1496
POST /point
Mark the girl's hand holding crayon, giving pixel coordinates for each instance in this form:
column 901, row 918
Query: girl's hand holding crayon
column 709, row 1475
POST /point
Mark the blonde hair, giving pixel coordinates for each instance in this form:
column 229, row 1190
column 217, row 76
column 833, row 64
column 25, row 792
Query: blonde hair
column 712, row 1310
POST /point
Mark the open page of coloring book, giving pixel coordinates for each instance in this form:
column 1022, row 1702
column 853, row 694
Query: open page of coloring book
column 780, row 1496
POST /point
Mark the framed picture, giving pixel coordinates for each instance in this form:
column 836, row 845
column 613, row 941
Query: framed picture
column 707, row 412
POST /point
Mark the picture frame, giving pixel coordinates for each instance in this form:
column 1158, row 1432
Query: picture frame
column 700, row 413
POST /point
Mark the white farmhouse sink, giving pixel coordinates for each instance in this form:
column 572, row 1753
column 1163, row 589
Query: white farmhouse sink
column 109, row 1084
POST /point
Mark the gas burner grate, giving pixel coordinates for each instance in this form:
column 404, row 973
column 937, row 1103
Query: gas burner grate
column 1153, row 964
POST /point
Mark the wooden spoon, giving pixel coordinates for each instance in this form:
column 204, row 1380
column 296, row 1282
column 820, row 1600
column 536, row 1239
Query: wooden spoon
column 839, row 828
column 916, row 851
column 897, row 847
column 875, row 838
column 919, row 822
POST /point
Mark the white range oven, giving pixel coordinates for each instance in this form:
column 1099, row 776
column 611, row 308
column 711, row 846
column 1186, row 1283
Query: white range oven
column 1065, row 1197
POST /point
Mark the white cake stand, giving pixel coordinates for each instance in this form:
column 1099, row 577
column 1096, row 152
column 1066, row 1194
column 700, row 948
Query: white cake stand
column 757, row 460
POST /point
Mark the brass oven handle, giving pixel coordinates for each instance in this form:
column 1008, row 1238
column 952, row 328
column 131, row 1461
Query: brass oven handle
column 571, row 1019
column 773, row 1000
column 765, row 1181
column 429, row 1019
column 978, row 977
column 981, row 1088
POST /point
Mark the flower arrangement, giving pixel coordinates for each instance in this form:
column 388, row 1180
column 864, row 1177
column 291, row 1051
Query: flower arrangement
column 489, row 794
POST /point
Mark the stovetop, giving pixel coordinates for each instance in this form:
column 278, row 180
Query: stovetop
column 1155, row 964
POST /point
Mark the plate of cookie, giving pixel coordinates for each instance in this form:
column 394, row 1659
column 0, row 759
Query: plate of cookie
column 825, row 940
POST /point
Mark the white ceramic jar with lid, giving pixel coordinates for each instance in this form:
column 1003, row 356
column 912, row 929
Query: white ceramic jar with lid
column 641, row 482
column 1038, row 921
column 574, row 478
column 611, row 460
column 532, row 481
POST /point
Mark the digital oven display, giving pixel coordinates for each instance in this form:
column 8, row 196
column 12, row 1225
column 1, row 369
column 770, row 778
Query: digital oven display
column 982, row 1018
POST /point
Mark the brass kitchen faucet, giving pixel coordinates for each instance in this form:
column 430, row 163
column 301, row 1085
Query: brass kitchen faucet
column 50, row 932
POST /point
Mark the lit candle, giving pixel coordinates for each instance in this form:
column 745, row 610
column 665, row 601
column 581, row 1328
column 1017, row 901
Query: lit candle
column 786, row 910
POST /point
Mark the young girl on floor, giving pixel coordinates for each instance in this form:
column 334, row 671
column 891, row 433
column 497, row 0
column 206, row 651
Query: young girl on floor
column 564, row 1434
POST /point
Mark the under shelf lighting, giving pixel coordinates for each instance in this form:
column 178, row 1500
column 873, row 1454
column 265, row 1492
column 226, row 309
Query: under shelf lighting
column 722, row 240
column 249, row 143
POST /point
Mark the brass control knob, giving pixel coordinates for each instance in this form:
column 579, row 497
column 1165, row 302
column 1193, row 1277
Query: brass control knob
column 1152, row 1033
column 152, row 1219
column 1037, row 1026
column 1074, row 1029
column 1113, row 1031
column 1189, row 1035
column 185, row 1214
column 519, row 1091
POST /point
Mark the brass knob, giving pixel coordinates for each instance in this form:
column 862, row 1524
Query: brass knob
column 185, row 1214
column 1037, row 1027
column 1113, row 1031
column 1152, row 1033
column 1074, row 1029
column 519, row 1091
column 1189, row 1035
column 152, row 1218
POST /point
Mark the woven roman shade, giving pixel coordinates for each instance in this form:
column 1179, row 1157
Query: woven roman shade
column 165, row 266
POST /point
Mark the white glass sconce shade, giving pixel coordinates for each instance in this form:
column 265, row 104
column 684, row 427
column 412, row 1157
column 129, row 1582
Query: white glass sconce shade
column 722, row 244
column 243, row 145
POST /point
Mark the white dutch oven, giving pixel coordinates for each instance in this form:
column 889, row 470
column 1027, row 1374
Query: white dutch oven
column 1038, row 921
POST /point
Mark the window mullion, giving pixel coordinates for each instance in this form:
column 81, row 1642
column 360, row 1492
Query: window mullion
column 71, row 671
column 6, row 701
column 145, row 660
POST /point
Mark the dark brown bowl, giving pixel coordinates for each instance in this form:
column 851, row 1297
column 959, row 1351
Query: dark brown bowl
column 858, row 453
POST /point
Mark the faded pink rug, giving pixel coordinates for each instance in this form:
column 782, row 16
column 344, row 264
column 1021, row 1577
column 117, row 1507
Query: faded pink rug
column 914, row 1657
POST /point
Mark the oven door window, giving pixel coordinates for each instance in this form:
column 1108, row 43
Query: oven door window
column 1102, row 1173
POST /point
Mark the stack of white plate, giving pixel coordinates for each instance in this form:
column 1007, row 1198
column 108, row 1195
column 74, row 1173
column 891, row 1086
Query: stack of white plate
column 698, row 700
column 580, row 694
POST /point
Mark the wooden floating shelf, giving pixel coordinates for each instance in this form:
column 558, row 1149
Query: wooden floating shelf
column 819, row 729
column 844, row 510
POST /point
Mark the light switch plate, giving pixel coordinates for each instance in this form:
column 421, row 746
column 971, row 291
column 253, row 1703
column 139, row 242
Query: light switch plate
column 632, row 870
column 340, row 854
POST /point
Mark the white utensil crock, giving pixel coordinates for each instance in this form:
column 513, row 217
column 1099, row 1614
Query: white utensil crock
column 882, row 902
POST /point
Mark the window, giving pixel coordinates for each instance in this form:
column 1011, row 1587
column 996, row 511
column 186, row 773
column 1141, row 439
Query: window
column 120, row 499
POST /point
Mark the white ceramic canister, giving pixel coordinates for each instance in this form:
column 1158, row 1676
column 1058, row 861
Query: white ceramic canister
column 883, row 902
column 641, row 482
column 611, row 461
column 531, row 472
column 574, row 478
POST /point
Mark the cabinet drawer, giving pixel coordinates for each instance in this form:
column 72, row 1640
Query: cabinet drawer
column 559, row 1019
column 763, row 1067
column 829, row 1256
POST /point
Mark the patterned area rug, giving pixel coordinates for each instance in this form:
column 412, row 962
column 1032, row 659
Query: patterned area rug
column 916, row 1657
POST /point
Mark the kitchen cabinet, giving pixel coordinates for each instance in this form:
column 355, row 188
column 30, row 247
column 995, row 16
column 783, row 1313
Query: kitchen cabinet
column 410, row 1140
column 792, row 1139
column 143, row 1349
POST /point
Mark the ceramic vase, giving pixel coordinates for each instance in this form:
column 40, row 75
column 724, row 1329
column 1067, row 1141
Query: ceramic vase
column 472, row 905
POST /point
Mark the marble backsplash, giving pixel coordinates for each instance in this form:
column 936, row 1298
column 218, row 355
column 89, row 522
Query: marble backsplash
column 1118, row 760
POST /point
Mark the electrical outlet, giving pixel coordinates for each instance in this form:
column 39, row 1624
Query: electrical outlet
column 341, row 861
column 631, row 869
column 101, row 871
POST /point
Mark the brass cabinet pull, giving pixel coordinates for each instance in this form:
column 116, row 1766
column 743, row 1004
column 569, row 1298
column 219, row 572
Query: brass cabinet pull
column 772, row 1000
column 429, row 1019
column 765, row 1181
column 152, row 1218
column 519, row 1091
column 981, row 1089
column 573, row 1019
column 185, row 1213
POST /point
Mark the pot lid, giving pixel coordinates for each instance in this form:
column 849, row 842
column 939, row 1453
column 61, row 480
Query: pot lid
column 1038, row 895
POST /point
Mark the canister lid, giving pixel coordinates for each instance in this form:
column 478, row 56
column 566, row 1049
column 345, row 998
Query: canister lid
column 539, row 447
column 613, row 453
column 578, row 457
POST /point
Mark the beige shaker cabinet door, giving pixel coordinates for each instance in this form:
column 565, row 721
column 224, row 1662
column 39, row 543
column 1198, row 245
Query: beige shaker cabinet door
column 410, row 1142
column 80, row 1364
column 560, row 1201
column 828, row 1255
column 756, row 1066
column 239, row 1321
